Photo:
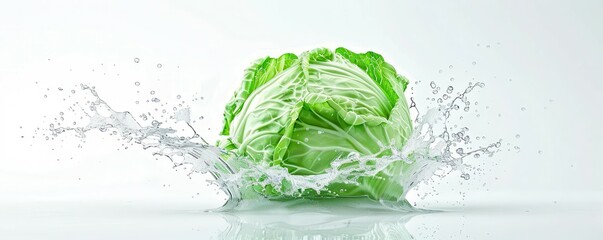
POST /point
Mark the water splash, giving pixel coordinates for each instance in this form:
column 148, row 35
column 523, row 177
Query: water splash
column 433, row 150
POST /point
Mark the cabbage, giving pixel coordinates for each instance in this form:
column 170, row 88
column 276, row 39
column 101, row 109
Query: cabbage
column 303, row 112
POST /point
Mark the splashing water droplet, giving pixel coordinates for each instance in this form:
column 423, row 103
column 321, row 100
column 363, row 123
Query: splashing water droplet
column 465, row 176
column 449, row 89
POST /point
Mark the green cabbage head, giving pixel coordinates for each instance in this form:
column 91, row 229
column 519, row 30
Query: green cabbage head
column 303, row 112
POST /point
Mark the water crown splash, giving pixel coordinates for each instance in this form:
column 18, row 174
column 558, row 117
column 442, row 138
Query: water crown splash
column 433, row 150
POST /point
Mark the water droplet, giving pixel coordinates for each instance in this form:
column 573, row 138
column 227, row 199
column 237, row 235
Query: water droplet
column 45, row 96
column 152, row 92
column 449, row 89
column 155, row 123
column 517, row 136
column 306, row 139
column 452, row 79
column 320, row 132
column 539, row 151
column 60, row 89
column 488, row 46
column 61, row 113
column 476, row 155
column 159, row 65
column 137, row 83
column 450, row 66
column 474, row 63
column 459, row 150
column 432, row 84
column 466, row 109
column 440, row 71
column 178, row 96
column 523, row 109
column 465, row 176
column 156, row 100
column 136, row 60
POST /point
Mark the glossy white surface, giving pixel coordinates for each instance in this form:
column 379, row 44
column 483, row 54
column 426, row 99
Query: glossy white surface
column 144, row 220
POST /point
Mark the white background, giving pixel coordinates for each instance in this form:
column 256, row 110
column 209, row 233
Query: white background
column 545, row 56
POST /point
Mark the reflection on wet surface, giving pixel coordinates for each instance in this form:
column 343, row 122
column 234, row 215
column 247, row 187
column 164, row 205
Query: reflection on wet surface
column 143, row 220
